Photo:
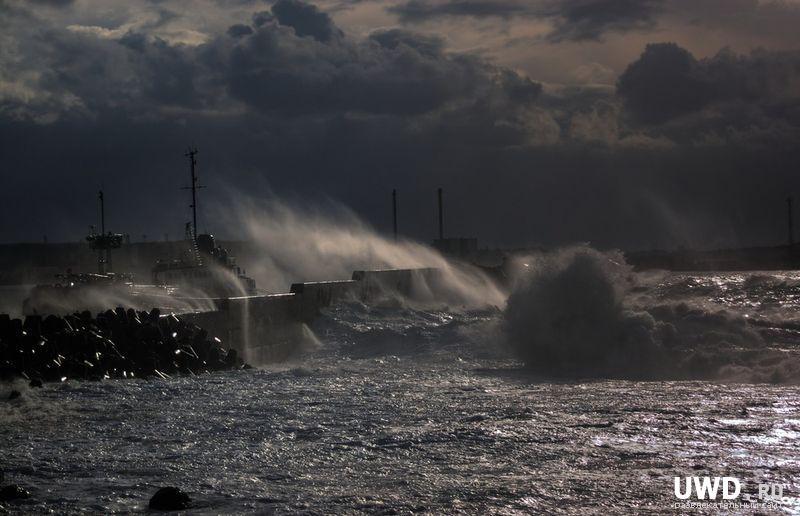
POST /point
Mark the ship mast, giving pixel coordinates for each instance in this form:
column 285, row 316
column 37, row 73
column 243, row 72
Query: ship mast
column 103, row 242
column 191, row 153
column 103, row 254
column 394, row 213
column 102, row 213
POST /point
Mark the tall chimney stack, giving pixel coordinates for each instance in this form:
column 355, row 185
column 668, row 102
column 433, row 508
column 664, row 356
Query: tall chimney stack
column 394, row 213
column 790, row 220
column 441, row 216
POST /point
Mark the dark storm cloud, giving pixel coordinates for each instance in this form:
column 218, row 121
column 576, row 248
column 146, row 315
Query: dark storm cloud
column 393, row 72
column 262, row 17
column 664, row 82
column 667, row 82
column 306, row 19
column 274, row 68
column 578, row 20
column 422, row 10
column 238, row 30
column 300, row 105
column 169, row 74
column 93, row 75
column 55, row 3
column 394, row 38
column 573, row 20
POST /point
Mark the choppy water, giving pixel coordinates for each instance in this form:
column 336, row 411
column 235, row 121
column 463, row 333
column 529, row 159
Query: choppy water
column 403, row 410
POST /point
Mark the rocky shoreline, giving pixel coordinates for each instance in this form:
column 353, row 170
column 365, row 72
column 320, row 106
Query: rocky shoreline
column 113, row 344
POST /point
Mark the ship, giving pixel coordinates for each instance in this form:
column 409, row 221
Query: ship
column 205, row 286
column 210, row 271
column 73, row 291
column 189, row 282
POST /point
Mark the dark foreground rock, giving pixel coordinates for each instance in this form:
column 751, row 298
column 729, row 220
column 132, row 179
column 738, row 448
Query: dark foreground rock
column 170, row 499
column 12, row 492
column 115, row 344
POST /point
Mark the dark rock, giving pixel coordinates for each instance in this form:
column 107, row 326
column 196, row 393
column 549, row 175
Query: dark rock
column 53, row 324
column 116, row 344
column 33, row 324
column 170, row 499
column 15, row 327
column 232, row 358
column 12, row 492
column 36, row 382
column 14, row 395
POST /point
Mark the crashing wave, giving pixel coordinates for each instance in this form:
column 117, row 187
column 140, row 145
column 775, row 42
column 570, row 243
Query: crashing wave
column 572, row 313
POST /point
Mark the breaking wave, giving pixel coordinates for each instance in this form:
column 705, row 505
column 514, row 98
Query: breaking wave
column 580, row 312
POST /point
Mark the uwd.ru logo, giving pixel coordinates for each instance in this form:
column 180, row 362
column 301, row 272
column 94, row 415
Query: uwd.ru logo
column 706, row 488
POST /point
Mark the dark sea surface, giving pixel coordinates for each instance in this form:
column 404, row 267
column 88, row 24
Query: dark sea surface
column 399, row 410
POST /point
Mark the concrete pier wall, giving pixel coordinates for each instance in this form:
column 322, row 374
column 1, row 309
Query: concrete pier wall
column 270, row 328
column 416, row 284
column 317, row 295
column 262, row 328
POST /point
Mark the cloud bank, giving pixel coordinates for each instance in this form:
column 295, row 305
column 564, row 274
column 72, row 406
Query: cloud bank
column 282, row 96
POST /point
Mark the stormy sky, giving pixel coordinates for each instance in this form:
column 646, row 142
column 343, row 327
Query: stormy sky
column 626, row 123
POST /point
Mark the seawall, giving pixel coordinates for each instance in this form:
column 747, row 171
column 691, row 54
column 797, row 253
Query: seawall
column 271, row 327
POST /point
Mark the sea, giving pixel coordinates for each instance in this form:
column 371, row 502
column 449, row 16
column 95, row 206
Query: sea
column 398, row 409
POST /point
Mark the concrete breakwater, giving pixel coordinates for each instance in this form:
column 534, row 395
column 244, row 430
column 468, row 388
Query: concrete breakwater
column 126, row 343
column 269, row 328
column 116, row 344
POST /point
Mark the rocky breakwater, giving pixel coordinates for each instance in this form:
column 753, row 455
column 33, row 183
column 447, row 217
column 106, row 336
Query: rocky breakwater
column 114, row 344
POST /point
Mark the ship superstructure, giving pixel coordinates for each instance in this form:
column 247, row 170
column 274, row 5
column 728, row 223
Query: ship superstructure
column 205, row 269
column 73, row 291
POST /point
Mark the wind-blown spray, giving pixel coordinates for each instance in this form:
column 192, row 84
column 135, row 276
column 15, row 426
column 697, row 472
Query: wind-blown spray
column 328, row 242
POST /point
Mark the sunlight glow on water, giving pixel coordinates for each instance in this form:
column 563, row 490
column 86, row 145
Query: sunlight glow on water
column 405, row 410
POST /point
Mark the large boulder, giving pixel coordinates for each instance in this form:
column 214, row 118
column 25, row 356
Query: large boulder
column 170, row 499
column 12, row 492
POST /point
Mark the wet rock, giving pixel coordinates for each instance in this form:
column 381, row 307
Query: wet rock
column 232, row 358
column 14, row 395
column 13, row 492
column 170, row 499
column 115, row 344
column 33, row 324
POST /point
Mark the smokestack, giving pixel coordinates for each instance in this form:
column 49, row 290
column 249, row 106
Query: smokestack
column 441, row 216
column 790, row 220
column 394, row 213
